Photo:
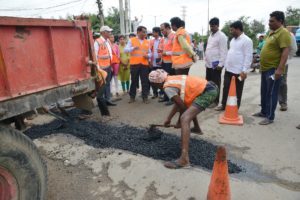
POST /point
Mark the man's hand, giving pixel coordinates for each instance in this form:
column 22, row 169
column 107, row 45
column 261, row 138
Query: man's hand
column 278, row 73
column 243, row 76
column 146, row 56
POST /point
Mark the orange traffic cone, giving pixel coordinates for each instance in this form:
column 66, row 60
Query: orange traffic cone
column 231, row 115
column 219, row 188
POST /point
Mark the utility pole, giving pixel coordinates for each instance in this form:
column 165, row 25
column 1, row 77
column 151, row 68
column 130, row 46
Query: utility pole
column 183, row 12
column 127, row 19
column 128, row 10
column 207, row 17
column 100, row 15
column 122, row 20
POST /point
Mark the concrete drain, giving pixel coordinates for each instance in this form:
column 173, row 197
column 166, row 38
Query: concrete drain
column 125, row 137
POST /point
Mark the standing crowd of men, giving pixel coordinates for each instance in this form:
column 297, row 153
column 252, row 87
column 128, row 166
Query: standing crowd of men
column 163, row 63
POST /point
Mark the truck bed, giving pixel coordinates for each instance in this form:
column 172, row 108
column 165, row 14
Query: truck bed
column 40, row 54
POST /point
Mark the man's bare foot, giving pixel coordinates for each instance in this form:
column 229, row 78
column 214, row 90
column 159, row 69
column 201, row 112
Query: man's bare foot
column 197, row 131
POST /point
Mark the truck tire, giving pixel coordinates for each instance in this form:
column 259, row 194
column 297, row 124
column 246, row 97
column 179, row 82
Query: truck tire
column 23, row 175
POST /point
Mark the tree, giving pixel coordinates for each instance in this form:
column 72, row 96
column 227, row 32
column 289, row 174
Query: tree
column 113, row 20
column 292, row 16
column 196, row 36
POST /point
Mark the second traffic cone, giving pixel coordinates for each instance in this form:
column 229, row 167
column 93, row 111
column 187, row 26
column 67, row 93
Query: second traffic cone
column 231, row 115
column 219, row 188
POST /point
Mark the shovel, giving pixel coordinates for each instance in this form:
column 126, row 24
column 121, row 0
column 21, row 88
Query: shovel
column 154, row 133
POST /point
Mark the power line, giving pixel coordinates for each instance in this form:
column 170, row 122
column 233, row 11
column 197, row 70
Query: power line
column 53, row 11
column 83, row 5
column 22, row 9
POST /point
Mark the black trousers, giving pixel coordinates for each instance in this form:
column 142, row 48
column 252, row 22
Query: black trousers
column 214, row 75
column 184, row 71
column 168, row 68
column 142, row 72
column 239, row 87
column 102, row 101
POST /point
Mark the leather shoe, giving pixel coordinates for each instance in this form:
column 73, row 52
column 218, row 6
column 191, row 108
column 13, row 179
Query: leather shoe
column 220, row 108
column 145, row 100
column 162, row 100
column 266, row 122
column 168, row 103
column 154, row 96
column 283, row 107
column 109, row 103
column 132, row 100
column 258, row 114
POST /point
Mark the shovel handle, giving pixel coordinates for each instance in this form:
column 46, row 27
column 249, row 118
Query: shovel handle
column 161, row 125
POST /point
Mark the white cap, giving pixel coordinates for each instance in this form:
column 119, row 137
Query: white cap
column 105, row 28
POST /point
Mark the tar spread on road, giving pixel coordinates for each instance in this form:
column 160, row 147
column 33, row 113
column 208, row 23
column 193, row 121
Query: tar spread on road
column 162, row 146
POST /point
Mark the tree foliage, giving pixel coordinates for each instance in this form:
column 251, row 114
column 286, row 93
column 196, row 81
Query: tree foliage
column 251, row 28
column 292, row 16
column 113, row 20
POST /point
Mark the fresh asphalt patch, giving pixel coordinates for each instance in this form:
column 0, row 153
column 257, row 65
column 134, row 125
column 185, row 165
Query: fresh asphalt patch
column 164, row 146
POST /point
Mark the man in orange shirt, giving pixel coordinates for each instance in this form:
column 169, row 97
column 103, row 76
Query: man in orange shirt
column 191, row 95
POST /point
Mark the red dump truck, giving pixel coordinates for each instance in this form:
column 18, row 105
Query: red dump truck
column 42, row 61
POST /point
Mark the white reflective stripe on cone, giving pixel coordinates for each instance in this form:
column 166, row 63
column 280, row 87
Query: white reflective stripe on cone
column 231, row 101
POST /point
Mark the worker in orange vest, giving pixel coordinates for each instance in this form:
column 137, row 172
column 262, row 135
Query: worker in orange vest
column 183, row 55
column 140, row 54
column 104, row 55
column 191, row 95
column 166, row 50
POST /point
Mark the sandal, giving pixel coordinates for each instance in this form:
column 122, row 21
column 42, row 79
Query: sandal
column 175, row 165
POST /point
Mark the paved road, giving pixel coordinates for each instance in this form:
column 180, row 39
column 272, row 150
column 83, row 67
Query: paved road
column 269, row 154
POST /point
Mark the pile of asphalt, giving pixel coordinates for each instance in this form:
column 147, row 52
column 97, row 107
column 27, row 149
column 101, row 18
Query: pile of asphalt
column 104, row 135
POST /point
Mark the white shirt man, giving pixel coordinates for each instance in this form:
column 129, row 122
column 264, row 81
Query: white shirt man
column 238, row 62
column 216, row 49
column 215, row 55
column 239, row 56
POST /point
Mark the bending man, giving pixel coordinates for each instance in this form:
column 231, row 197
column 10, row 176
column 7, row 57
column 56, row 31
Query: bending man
column 191, row 95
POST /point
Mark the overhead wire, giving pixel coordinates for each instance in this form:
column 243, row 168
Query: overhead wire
column 53, row 11
column 23, row 9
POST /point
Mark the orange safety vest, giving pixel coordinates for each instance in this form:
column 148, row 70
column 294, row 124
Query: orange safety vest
column 180, row 58
column 167, row 45
column 137, row 56
column 104, row 59
column 190, row 87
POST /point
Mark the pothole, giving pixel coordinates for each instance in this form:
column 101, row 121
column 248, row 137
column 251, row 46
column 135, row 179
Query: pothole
column 129, row 138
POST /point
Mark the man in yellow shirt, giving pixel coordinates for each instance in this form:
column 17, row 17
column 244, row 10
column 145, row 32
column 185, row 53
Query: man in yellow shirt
column 273, row 58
